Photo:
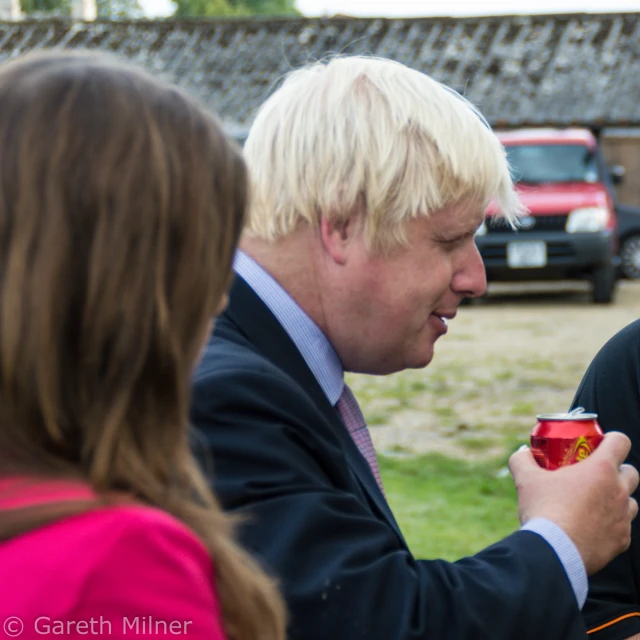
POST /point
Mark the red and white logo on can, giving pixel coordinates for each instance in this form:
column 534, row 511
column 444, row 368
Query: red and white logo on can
column 560, row 439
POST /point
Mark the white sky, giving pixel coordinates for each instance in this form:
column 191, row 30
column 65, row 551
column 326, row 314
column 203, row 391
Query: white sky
column 406, row 8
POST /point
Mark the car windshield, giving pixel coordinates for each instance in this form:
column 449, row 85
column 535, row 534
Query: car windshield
column 545, row 163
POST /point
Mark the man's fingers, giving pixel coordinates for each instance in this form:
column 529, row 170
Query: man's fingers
column 522, row 460
column 630, row 477
column 615, row 445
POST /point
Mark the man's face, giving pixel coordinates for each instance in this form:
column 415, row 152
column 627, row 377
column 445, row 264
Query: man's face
column 397, row 301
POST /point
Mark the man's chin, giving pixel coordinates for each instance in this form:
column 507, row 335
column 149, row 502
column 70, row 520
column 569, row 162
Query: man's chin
column 421, row 359
column 418, row 359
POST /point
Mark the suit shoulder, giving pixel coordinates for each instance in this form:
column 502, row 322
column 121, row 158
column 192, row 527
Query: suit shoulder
column 230, row 362
column 624, row 344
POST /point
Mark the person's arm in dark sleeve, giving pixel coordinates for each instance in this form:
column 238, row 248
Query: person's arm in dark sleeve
column 345, row 573
column 611, row 388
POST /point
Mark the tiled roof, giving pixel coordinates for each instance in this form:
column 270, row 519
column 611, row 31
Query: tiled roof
column 581, row 69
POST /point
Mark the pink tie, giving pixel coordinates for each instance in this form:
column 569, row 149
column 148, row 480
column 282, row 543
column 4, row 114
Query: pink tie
column 354, row 421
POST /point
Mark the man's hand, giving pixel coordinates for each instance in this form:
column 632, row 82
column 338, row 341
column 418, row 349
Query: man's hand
column 588, row 500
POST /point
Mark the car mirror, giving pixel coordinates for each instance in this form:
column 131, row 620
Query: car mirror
column 617, row 173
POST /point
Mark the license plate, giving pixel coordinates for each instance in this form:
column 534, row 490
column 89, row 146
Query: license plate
column 523, row 255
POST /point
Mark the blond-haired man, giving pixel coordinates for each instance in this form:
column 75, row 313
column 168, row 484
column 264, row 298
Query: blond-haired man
column 369, row 181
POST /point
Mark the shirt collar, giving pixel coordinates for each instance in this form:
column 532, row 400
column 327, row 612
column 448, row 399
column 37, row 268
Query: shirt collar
column 313, row 345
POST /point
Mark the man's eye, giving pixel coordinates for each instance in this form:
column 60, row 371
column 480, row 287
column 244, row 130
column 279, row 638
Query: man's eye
column 454, row 242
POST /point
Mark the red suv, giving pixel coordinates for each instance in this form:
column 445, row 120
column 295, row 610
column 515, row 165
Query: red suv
column 570, row 230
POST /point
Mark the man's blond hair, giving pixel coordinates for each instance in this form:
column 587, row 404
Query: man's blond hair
column 369, row 135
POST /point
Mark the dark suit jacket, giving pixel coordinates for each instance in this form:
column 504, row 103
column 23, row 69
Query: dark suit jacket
column 318, row 521
column 611, row 388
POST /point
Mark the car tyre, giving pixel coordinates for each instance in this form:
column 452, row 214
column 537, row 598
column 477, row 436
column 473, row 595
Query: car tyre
column 630, row 257
column 604, row 283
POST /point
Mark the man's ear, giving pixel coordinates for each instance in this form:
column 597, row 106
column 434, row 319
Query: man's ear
column 337, row 236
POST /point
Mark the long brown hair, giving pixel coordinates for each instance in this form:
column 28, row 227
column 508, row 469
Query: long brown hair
column 121, row 204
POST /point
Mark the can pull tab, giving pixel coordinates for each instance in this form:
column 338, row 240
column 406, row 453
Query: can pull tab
column 576, row 412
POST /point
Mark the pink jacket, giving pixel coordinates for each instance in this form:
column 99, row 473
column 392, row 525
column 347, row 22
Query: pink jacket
column 118, row 572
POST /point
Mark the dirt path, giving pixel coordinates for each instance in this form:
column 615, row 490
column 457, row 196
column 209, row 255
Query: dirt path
column 502, row 362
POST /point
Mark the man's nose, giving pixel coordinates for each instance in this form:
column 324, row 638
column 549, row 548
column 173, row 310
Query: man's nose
column 470, row 279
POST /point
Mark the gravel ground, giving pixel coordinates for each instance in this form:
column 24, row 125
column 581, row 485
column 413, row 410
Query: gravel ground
column 521, row 352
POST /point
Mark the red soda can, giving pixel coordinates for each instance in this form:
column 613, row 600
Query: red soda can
column 560, row 439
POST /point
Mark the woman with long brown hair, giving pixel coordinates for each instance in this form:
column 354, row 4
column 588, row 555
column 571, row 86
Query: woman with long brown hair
column 121, row 204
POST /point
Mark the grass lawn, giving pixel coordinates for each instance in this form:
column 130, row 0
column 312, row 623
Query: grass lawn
column 449, row 508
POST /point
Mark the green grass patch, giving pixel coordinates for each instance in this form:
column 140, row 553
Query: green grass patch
column 541, row 365
column 449, row 508
column 398, row 449
column 438, row 384
column 511, row 442
column 374, row 419
column 557, row 383
column 445, row 412
column 463, row 337
column 522, row 409
column 477, row 445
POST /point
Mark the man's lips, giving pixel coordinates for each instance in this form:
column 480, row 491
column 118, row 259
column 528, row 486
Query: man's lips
column 445, row 315
column 441, row 317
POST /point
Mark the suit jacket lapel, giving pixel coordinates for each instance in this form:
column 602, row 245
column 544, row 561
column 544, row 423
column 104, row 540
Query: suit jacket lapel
column 254, row 319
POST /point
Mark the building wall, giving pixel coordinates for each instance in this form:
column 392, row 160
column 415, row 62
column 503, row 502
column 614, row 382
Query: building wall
column 623, row 147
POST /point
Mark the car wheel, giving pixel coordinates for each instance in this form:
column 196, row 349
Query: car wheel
column 630, row 257
column 604, row 283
